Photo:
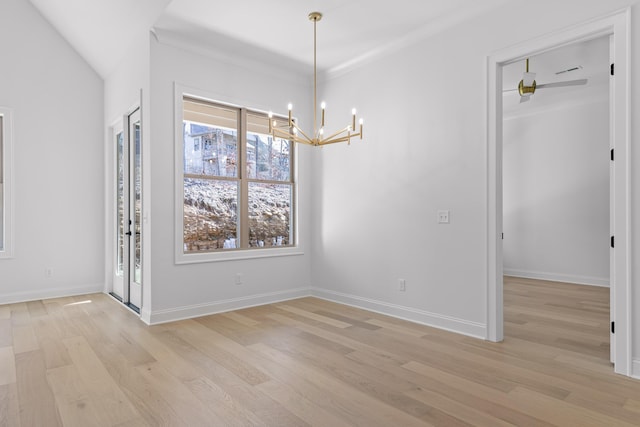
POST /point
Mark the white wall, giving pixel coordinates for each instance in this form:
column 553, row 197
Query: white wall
column 58, row 171
column 556, row 193
column 192, row 289
column 425, row 150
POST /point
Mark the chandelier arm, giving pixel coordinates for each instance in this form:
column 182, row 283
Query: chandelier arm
column 336, row 140
column 303, row 140
column 302, row 132
column 346, row 129
column 277, row 133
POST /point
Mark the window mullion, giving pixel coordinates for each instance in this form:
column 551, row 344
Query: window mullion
column 244, row 183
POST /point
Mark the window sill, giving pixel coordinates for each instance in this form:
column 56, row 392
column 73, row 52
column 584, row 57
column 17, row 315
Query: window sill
column 237, row 255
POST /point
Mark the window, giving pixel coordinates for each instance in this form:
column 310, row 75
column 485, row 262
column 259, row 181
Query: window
column 5, row 183
column 237, row 180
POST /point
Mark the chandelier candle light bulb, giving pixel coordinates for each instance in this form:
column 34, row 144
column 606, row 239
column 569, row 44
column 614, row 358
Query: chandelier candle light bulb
column 294, row 133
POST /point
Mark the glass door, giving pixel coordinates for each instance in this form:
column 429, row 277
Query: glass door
column 127, row 283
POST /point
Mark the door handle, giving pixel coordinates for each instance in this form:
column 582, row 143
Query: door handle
column 128, row 233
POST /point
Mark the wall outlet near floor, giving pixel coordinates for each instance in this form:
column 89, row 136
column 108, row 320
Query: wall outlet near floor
column 443, row 217
column 402, row 285
column 238, row 278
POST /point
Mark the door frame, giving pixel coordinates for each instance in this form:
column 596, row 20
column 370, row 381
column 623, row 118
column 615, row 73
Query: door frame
column 617, row 25
column 123, row 125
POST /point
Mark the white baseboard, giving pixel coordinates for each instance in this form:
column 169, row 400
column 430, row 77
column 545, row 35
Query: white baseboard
column 155, row 317
column 476, row 330
column 558, row 277
column 635, row 369
column 452, row 324
column 48, row 293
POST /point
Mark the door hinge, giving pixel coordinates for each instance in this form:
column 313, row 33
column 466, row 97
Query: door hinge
column 613, row 327
column 613, row 241
column 612, row 69
column 612, row 156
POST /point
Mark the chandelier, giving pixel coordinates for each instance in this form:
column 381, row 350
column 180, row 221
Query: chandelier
column 293, row 132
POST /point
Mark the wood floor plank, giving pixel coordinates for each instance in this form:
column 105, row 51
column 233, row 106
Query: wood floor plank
column 191, row 411
column 20, row 314
column 560, row 412
column 5, row 312
column 6, row 336
column 404, row 329
column 24, row 339
column 7, row 366
column 112, row 406
column 9, row 407
column 300, row 405
column 461, row 411
column 227, row 352
column 240, row 318
column 50, row 341
column 36, row 401
column 151, row 406
column 72, row 399
column 478, row 396
column 230, row 410
column 633, row 405
column 36, row 309
column 313, row 316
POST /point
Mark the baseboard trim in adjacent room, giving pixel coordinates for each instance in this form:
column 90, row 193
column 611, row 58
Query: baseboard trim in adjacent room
column 558, row 277
column 635, row 369
column 155, row 317
column 452, row 324
column 17, row 297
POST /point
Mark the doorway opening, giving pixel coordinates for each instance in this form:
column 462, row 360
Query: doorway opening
column 615, row 26
column 556, row 201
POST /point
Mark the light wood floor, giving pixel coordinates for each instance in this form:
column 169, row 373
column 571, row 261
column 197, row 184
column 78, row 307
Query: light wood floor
column 87, row 361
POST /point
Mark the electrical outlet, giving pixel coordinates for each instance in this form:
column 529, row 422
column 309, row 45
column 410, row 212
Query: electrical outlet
column 238, row 278
column 48, row 273
column 443, row 217
column 402, row 285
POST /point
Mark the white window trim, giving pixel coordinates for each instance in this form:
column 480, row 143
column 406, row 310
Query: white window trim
column 240, row 254
column 7, row 185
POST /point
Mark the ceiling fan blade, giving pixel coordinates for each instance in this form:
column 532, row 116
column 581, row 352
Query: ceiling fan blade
column 578, row 82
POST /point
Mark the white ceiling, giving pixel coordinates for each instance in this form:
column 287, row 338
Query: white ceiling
column 100, row 30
